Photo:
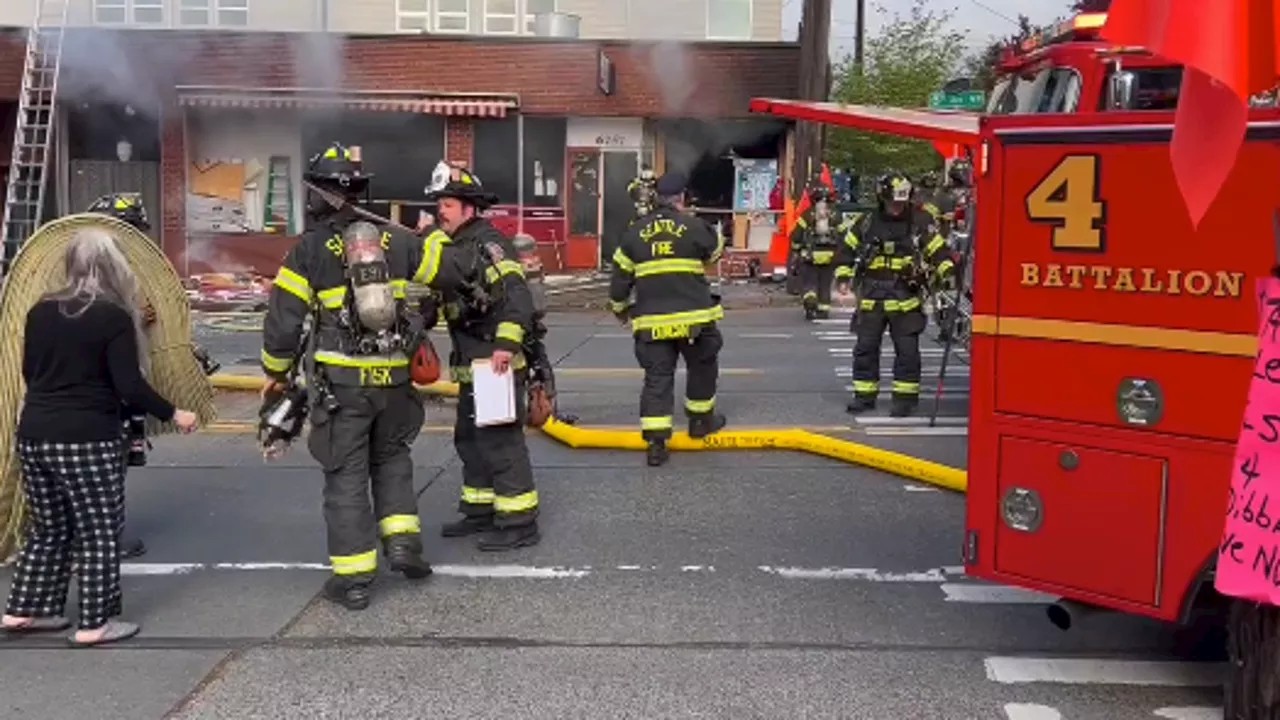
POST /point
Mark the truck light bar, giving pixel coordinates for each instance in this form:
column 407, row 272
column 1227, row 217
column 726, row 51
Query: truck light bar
column 1083, row 26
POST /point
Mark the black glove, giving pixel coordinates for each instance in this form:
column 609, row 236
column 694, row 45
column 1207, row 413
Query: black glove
column 429, row 309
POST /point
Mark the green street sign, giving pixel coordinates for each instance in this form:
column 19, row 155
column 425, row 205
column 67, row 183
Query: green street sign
column 973, row 100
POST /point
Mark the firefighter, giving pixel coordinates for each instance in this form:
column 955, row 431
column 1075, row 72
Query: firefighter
column 128, row 208
column 350, row 275
column 816, row 236
column 541, row 370
column 936, row 201
column 893, row 254
column 662, row 258
column 643, row 192
column 489, row 321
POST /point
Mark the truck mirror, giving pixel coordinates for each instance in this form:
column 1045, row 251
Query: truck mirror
column 1120, row 90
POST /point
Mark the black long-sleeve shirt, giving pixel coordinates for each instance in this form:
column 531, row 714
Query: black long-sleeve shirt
column 79, row 371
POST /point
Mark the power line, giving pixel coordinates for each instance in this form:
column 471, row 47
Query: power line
column 997, row 13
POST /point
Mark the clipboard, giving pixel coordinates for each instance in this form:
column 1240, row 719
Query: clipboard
column 495, row 395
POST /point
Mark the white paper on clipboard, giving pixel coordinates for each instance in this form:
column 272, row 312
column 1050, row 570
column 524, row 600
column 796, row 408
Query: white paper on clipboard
column 495, row 394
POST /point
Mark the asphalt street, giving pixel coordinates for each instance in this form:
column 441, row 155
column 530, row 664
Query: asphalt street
column 725, row 585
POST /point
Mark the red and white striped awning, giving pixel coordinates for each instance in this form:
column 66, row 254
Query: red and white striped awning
column 464, row 105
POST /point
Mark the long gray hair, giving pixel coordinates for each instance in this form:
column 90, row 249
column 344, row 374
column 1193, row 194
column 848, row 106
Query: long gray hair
column 98, row 271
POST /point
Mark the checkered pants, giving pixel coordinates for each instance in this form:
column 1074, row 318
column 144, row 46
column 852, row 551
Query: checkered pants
column 75, row 492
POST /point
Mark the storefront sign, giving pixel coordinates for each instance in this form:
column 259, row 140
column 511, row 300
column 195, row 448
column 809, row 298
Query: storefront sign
column 753, row 184
column 605, row 133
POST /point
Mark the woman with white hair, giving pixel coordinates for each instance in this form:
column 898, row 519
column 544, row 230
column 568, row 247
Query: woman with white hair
column 83, row 355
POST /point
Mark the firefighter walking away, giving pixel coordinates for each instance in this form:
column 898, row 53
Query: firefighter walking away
column 817, row 237
column 891, row 257
column 488, row 320
column 662, row 258
column 350, row 275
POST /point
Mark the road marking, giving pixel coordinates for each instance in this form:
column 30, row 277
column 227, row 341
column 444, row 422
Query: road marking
column 560, row 572
column 987, row 594
column 1028, row 711
column 765, row 336
column 920, row 489
column 1190, row 713
column 1074, row 671
column 886, row 420
column 917, row 431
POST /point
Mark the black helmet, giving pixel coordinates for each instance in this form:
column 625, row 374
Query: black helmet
column 929, row 180
column 893, row 187
column 337, row 165
column 961, row 173
column 460, row 184
column 819, row 192
column 126, row 207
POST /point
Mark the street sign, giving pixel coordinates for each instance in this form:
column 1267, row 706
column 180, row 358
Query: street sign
column 974, row 100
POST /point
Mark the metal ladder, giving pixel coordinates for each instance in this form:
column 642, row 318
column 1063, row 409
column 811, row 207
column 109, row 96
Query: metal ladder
column 33, row 131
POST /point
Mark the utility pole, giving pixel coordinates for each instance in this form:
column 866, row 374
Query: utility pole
column 860, row 37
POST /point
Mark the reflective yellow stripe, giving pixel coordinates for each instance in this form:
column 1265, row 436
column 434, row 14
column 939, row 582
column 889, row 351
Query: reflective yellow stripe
column 822, row 257
column 510, row 331
column 901, row 305
column 866, row 304
column 477, row 496
column 881, row 262
column 656, row 423
column 432, row 250
column 617, row 306
column 331, row 298
column 523, row 502
column 622, row 262
column 934, row 245
column 715, row 254
column 510, row 267
column 809, row 295
column 337, row 359
column 294, row 284
column 398, row 288
column 399, row 525
column 851, row 239
column 931, row 209
column 670, row 266
column 700, row 406
column 801, row 222
column 944, row 267
column 362, row 564
column 649, row 322
column 844, row 271
column 865, row 387
column 275, row 364
column 906, row 388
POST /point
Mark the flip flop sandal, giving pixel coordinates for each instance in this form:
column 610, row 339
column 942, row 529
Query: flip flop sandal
column 37, row 625
column 116, row 631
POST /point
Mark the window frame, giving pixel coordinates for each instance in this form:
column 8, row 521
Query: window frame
column 423, row 18
column 128, row 12
column 154, row 5
column 751, row 9
column 529, row 16
column 438, row 14
column 514, row 17
column 220, row 10
column 187, row 6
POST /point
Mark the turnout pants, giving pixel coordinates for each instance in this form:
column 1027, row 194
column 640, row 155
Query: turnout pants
column 363, row 449
column 75, row 492
column 904, row 328
column 817, row 279
column 701, row 353
column 497, row 476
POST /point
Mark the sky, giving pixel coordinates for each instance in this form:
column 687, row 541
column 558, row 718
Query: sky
column 980, row 20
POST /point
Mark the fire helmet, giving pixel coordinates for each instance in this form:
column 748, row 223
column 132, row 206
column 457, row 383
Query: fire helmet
column 961, row 173
column 929, row 180
column 894, row 187
column 338, row 165
column 126, row 207
column 460, row 184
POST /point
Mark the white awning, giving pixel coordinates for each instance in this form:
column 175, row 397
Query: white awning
column 465, row 105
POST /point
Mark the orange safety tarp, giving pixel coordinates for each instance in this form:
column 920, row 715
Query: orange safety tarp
column 1229, row 50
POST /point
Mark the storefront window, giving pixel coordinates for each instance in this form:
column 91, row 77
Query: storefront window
column 544, row 145
column 496, row 157
column 400, row 150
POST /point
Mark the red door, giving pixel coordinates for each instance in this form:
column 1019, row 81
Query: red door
column 584, row 209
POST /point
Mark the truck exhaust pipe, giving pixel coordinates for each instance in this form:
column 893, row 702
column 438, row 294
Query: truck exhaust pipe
column 1066, row 613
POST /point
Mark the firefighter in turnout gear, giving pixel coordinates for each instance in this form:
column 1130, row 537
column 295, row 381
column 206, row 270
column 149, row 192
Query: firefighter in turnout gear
column 128, row 208
column 662, row 258
column 488, row 321
column 644, row 192
column 937, row 201
column 816, row 236
column 892, row 256
column 350, row 277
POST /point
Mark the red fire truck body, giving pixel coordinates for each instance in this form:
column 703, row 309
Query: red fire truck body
column 1112, row 342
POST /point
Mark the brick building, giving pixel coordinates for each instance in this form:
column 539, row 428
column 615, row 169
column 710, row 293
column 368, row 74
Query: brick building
column 214, row 128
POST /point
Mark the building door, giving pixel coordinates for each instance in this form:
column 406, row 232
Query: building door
column 584, row 207
column 620, row 168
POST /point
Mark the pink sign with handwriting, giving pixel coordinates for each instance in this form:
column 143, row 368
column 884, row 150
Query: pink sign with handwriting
column 1249, row 554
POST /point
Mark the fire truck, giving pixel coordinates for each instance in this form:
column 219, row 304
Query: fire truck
column 1113, row 341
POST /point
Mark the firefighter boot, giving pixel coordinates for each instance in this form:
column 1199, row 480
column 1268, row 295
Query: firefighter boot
column 350, row 593
column 131, row 547
column 657, row 454
column 404, row 555
column 904, row 405
column 509, row 538
column 823, row 313
column 701, row 426
column 861, row 404
column 468, row 525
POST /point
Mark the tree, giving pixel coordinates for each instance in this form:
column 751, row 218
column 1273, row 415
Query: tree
column 912, row 56
column 1083, row 6
column 982, row 67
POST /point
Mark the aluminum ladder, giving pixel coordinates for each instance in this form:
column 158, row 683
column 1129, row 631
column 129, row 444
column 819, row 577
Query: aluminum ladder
column 33, row 132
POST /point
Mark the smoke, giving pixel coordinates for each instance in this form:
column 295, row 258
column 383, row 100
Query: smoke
column 319, row 62
column 670, row 67
column 207, row 254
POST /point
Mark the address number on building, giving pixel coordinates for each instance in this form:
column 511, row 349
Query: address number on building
column 611, row 140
